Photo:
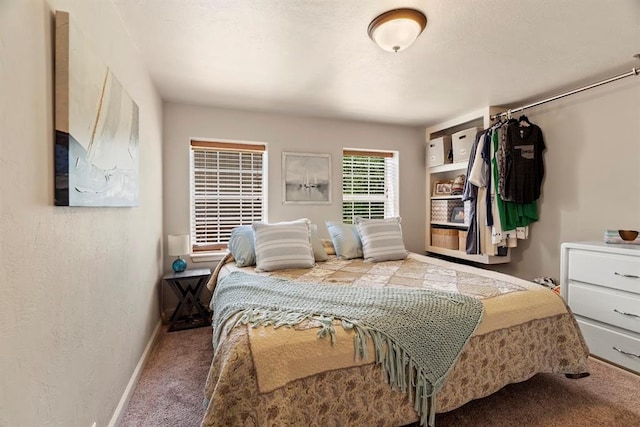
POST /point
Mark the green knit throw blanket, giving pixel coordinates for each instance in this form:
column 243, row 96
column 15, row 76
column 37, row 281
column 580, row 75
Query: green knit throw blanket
column 418, row 334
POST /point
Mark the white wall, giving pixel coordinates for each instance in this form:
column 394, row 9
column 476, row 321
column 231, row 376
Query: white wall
column 592, row 180
column 296, row 134
column 79, row 285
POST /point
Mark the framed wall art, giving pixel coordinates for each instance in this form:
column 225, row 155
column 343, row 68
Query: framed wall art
column 306, row 178
column 96, row 122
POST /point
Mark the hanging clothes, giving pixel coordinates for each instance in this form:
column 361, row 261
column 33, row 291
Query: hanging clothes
column 499, row 234
column 503, row 162
column 470, row 194
column 512, row 215
column 524, row 165
column 479, row 176
column 480, row 171
column 504, row 179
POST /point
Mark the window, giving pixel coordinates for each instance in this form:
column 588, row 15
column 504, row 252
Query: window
column 369, row 184
column 227, row 190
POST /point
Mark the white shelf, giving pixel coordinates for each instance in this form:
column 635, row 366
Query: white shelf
column 450, row 224
column 457, row 197
column 448, row 167
column 483, row 259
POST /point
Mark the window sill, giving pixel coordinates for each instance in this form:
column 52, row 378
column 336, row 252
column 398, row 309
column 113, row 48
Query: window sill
column 213, row 256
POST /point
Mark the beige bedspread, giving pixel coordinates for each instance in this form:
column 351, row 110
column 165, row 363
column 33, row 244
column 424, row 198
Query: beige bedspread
column 261, row 376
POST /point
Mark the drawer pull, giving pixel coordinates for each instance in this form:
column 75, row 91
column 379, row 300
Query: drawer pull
column 625, row 313
column 630, row 276
column 626, row 352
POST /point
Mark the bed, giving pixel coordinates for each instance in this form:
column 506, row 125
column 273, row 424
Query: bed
column 291, row 376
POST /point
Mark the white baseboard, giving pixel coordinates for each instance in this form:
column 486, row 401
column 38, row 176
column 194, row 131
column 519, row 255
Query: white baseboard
column 128, row 391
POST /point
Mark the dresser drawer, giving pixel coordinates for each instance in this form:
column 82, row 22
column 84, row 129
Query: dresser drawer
column 606, row 305
column 602, row 343
column 605, row 269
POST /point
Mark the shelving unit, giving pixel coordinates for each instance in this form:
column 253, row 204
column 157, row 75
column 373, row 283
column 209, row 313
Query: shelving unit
column 479, row 118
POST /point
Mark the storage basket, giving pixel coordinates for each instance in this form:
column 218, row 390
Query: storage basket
column 444, row 238
column 441, row 209
column 438, row 151
column 462, row 142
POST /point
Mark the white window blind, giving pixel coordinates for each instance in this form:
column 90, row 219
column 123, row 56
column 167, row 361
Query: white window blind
column 227, row 190
column 369, row 185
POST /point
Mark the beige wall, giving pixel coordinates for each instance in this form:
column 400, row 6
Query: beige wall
column 297, row 134
column 79, row 285
column 592, row 181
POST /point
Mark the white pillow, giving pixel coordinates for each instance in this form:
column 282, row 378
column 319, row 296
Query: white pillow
column 345, row 239
column 316, row 244
column 381, row 239
column 283, row 245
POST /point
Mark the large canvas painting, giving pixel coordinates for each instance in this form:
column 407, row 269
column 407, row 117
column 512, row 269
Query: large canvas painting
column 306, row 178
column 96, row 147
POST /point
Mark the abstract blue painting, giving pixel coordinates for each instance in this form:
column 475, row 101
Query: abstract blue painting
column 97, row 133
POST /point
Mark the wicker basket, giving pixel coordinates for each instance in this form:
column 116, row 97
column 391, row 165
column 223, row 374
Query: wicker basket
column 444, row 238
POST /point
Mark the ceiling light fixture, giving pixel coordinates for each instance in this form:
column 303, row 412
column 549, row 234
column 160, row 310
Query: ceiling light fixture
column 397, row 29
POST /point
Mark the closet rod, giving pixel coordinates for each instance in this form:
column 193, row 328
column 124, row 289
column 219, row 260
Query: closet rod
column 633, row 72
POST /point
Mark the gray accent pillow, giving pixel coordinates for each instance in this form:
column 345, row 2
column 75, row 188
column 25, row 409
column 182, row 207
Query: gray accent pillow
column 346, row 240
column 242, row 247
column 283, row 245
column 381, row 239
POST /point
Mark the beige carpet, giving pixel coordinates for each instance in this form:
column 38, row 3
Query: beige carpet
column 171, row 388
column 170, row 393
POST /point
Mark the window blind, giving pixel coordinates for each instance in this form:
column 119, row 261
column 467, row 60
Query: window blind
column 227, row 190
column 369, row 185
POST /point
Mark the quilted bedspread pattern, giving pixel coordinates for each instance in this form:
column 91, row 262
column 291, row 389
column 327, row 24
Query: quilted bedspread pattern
column 262, row 376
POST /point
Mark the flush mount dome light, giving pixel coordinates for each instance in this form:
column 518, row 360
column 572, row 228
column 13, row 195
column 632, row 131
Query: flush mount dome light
column 397, row 29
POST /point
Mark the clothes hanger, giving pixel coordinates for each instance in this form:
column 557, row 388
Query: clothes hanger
column 509, row 118
column 502, row 119
column 499, row 122
column 524, row 121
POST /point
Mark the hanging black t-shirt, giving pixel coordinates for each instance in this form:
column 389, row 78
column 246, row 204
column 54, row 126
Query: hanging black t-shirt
column 524, row 166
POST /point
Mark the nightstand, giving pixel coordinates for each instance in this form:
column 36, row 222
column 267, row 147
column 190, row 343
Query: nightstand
column 187, row 286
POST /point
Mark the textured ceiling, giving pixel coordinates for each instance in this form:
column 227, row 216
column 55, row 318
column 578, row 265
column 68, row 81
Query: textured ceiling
column 314, row 57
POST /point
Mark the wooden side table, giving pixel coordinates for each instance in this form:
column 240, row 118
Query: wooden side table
column 187, row 286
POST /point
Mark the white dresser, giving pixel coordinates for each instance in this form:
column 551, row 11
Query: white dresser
column 601, row 283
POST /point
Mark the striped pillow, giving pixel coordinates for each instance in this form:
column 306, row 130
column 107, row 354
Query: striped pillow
column 381, row 239
column 283, row 245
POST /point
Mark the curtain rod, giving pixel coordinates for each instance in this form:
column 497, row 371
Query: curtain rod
column 634, row 72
